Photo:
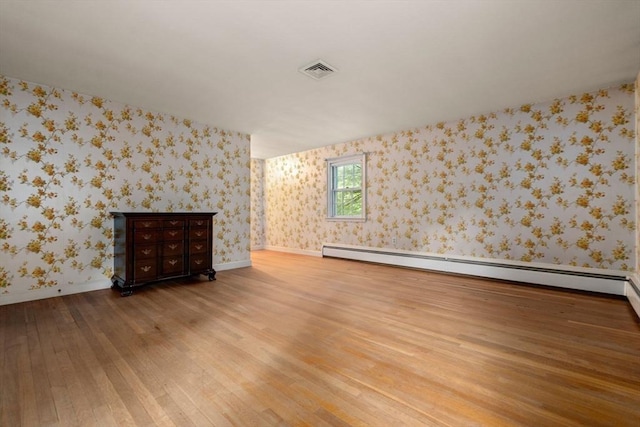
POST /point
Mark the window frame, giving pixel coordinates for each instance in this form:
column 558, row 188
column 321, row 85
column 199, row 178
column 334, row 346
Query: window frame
column 332, row 191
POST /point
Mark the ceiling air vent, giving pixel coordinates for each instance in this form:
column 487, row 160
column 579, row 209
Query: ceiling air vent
column 318, row 70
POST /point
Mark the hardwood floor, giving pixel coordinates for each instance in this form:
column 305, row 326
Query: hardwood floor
column 298, row 340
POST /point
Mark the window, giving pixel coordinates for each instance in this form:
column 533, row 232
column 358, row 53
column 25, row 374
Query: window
column 346, row 188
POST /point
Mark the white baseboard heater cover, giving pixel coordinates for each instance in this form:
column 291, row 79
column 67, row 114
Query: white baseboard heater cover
column 563, row 277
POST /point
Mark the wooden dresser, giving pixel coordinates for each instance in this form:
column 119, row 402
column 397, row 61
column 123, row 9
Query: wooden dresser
column 155, row 246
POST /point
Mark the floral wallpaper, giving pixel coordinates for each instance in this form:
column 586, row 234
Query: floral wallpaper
column 69, row 159
column 257, row 204
column 638, row 174
column 550, row 182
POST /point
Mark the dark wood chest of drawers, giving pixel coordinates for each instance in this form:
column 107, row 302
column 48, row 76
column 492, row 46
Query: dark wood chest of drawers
column 155, row 246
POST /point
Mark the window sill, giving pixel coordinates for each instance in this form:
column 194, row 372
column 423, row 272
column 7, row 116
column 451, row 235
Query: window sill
column 346, row 219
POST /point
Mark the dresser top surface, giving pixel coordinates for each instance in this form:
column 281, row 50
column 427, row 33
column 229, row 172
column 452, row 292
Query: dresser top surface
column 161, row 214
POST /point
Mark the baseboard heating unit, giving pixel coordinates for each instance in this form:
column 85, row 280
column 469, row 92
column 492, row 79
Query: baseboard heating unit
column 585, row 279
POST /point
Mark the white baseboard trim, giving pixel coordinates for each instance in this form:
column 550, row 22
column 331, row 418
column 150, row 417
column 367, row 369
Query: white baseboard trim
column 632, row 292
column 294, row 251
column 232, row 265
column 257, row 247
column 585, row 279
column 55, row 291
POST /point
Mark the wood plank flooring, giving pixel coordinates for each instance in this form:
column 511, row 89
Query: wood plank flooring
column 305, row 341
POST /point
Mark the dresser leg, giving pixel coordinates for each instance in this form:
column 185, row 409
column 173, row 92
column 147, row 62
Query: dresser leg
column 212, row 275
column 120, row 285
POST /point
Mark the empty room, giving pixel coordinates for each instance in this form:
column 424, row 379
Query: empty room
column 320, row 213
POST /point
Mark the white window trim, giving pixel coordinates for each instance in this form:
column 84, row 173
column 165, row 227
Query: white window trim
column 346, row 160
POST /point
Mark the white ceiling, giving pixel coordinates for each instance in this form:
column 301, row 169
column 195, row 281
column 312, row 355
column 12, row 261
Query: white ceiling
column 402, row 64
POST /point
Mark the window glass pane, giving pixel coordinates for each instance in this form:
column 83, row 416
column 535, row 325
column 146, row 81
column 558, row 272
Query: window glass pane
column 348, row 203
column 353, row 176
column 345, row 199
column 354, row 203
column 357, row 203
column 357, row 169
column 343, row 182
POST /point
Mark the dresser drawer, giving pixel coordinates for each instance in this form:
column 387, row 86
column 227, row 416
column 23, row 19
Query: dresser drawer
column 141, row 224
column 198, row 233
column 199, row 262
column 196, row 223
column 173, row 223
column 145, row 251
column 198, row 246
column 145, row 269
column 145, row 236
column 173, row 265
column 173, row 248
column 173, row 234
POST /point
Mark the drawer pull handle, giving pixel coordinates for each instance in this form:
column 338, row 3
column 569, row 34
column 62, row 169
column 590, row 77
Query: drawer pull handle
column 199, row 233
column 146, row 251
column 199, row 222
column 173, row 261
column 198, row 261
column 173, row 222
column 146, row 268
column 147, row 236
column 147, row 224
column 198, row 247
column 173, row 246
column 173, row 233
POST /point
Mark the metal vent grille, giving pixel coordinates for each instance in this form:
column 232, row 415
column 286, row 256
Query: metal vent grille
column 318, row 70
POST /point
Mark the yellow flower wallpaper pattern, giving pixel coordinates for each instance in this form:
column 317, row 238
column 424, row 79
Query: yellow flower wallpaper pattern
column 68, row 159
column 550, row 182
column 637, row 114
column 257, row 204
